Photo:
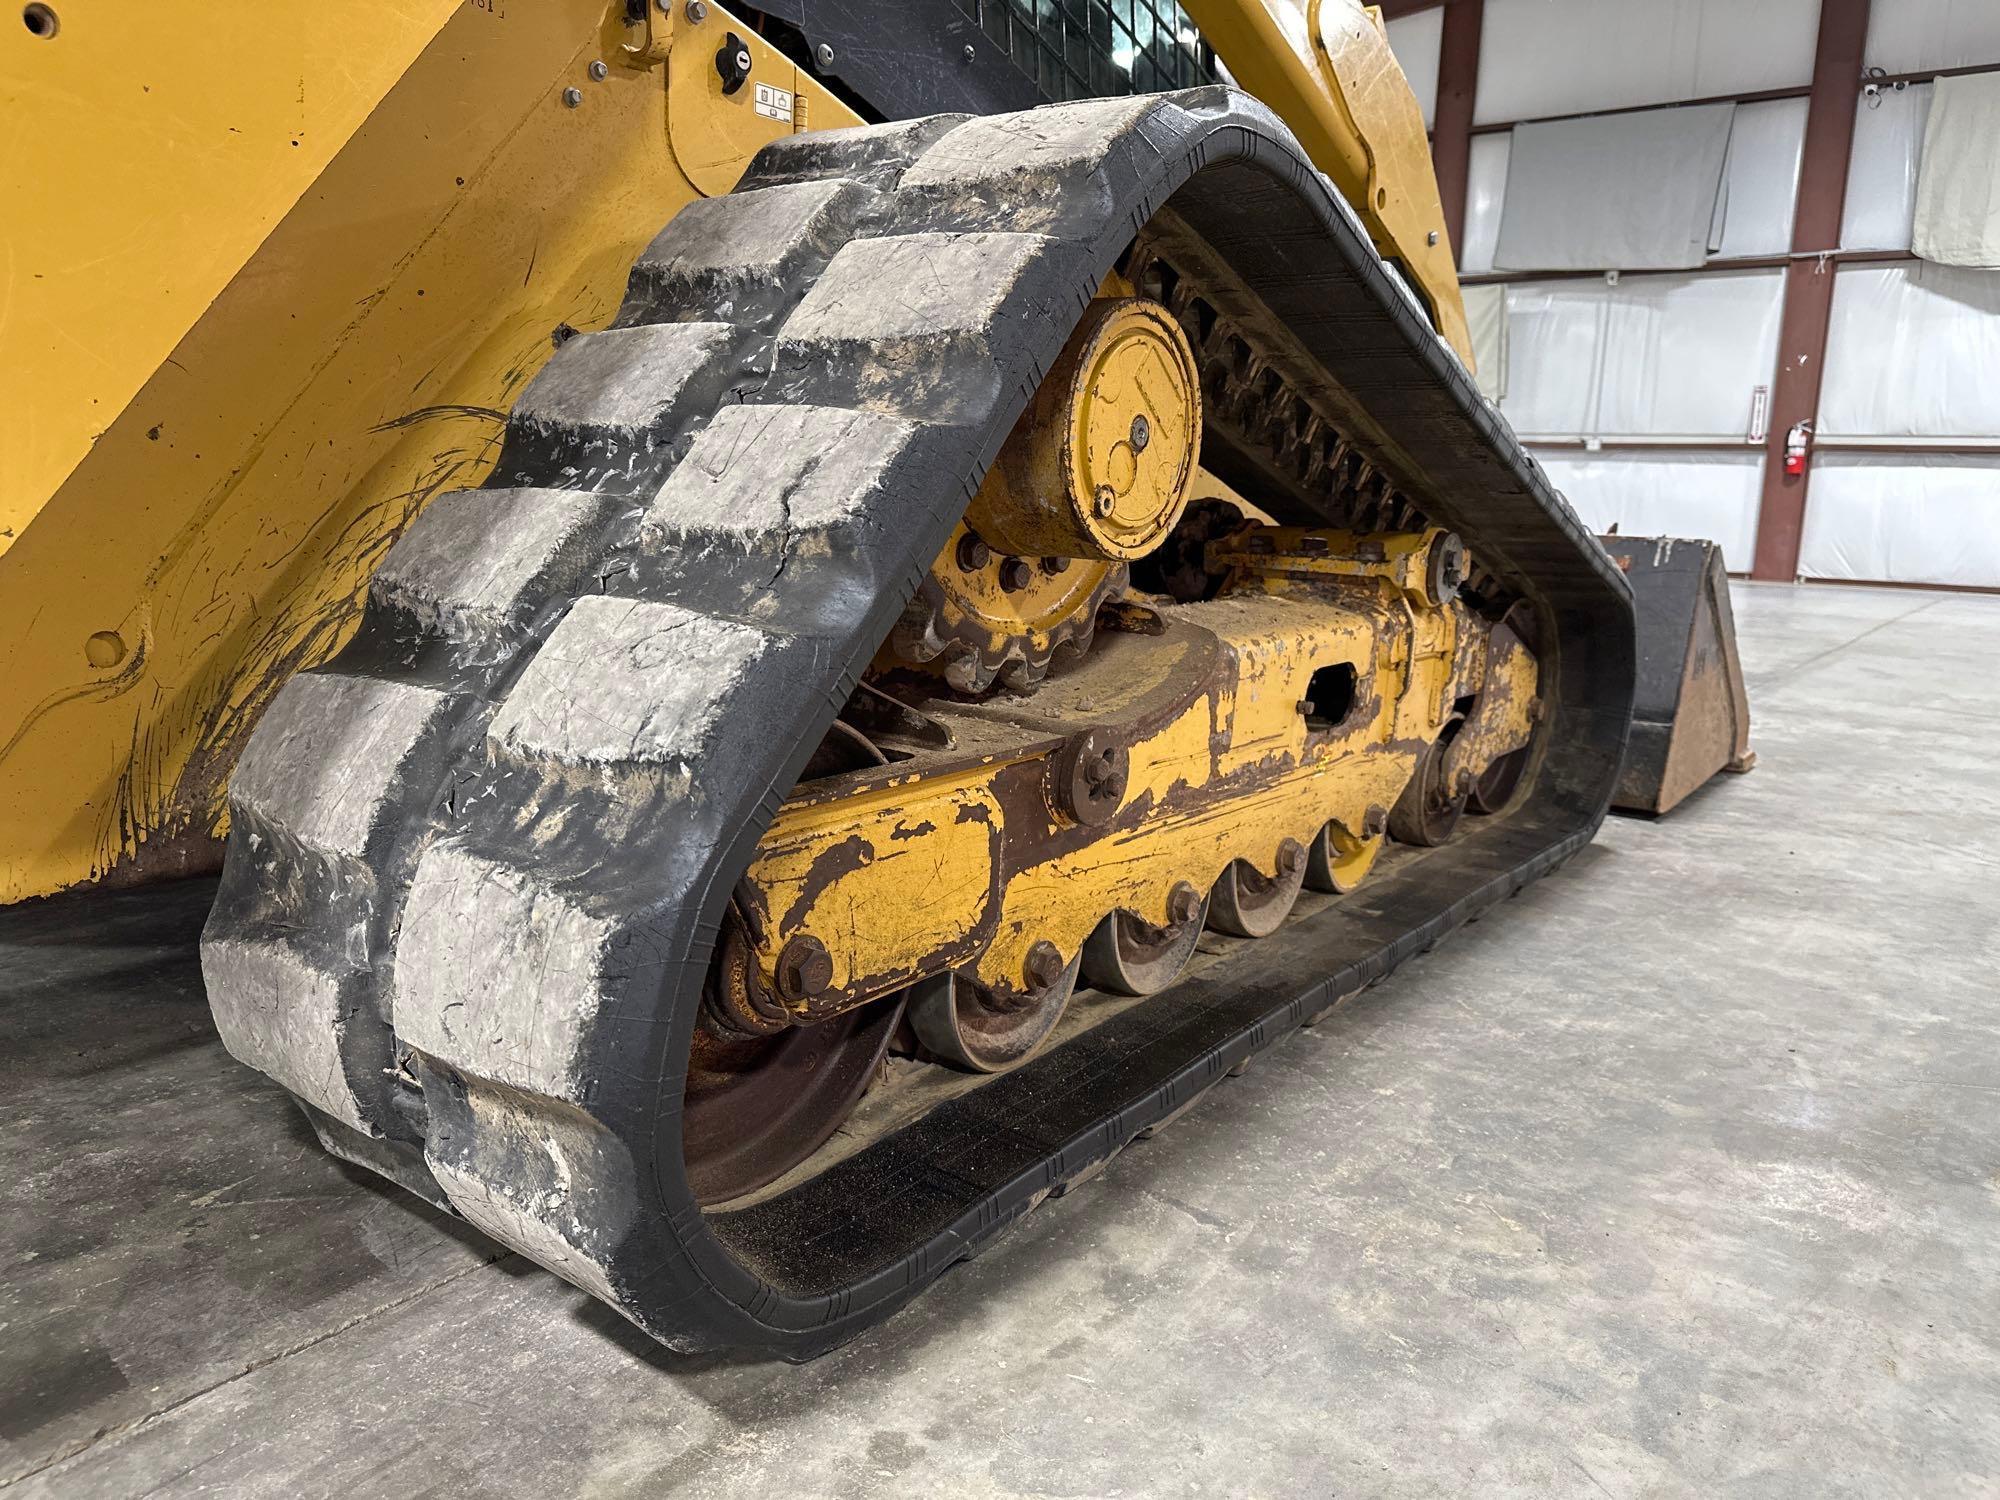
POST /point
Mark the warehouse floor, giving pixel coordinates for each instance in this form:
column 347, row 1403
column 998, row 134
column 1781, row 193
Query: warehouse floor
column 1679, row 1173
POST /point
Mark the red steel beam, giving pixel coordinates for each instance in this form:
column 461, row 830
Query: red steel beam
column 1451, row 128
column 1837, row 63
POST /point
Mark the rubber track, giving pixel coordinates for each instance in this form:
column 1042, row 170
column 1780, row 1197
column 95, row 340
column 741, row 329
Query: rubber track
column 477, row 862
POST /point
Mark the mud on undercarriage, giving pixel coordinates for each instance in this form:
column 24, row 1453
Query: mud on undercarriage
column 482, row 864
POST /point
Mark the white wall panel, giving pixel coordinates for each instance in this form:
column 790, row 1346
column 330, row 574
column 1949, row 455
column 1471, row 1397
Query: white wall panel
column 1711, row 495
column 1904, row 519
column 1908, row 36
column 1882, row 169
column 1912, row 351
column 1559, row 57
column 1554, row 332
column 1486, row 322
column 1485, row 193
column 1760, row 180
column 1683, row 353
column 1416, row 41
column 1638, row 189
column 1654, row 356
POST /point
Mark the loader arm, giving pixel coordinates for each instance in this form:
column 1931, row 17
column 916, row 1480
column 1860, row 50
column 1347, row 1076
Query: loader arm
column 1331, row 77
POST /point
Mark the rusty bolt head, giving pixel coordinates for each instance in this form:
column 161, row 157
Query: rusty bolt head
column 1055, row 565
column 973, row 554
column 805, row 968
column 1184, row 905
column 1044, row 966
column 1087, row 778
column 1291, row 858
column 1107, row 500
column 1015, row 574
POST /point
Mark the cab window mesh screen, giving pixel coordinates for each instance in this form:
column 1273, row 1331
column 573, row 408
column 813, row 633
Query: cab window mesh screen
column 1088, row 49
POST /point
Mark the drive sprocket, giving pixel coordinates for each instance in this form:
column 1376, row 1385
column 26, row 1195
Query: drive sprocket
column 978, row 616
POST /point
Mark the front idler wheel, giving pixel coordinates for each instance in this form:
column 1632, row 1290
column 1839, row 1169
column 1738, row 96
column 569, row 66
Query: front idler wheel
column 963, row 1022
column 756, row 1107
column 1496, row 785
column 1427, row 813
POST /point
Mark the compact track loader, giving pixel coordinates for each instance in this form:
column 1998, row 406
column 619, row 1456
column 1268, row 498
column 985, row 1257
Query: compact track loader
column 826, row 649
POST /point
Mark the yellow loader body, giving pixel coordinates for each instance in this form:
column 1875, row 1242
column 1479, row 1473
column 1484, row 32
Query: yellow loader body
column 271, row 287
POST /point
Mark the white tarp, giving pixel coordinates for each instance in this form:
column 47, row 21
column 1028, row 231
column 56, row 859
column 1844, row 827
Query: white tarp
column 1904, row 518
column 1958, row 183
column 1683, row 354
column 1882, row 170
column 1635, row 191
column 1912, row 351
column 1555, row 332
column 1486, row 317
column 1760, row 184
column 1663, row 493
column 1485, row 187
column 1653, row 356
column 1761, row 179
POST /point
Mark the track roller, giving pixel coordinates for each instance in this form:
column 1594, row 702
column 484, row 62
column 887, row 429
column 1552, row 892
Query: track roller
column 1338, row 861
column 1247, row 903
column 1428, row 812
column 978, row 1029
column 1129, row 956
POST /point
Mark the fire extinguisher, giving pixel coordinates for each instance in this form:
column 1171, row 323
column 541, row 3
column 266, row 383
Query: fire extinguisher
column 1796, row 443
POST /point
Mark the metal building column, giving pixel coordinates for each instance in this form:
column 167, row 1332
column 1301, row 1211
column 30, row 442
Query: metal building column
column 1451, row 130
column 1843, row 31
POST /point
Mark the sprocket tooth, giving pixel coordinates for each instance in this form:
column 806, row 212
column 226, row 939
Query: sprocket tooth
column 1021, row 675
column 969, row 673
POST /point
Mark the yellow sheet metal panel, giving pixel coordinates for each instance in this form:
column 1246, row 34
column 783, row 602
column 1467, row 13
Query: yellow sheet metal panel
column 150, row 148
column 1327, row 70
column 218, row 536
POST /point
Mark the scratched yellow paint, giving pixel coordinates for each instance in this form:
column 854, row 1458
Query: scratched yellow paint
column 352, row 358
column 919, row 876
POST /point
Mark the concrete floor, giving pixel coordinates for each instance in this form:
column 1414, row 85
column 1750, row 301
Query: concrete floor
column 1680, row 1174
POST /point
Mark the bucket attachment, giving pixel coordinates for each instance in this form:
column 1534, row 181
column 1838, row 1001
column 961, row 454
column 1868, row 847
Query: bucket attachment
column 1690, row 716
